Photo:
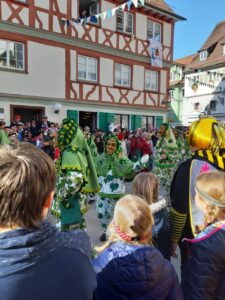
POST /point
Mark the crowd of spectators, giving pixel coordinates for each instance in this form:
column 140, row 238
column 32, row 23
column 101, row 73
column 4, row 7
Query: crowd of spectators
column 43, row 134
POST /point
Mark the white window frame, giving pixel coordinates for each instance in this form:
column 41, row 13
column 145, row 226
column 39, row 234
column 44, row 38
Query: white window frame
column 87, row 59
column 203, row 55
column 154, row 30
column 120, row 118
column 152, row 76
column 122, row 69
column 124, row 15
column 96, row 4
column 8, row 55
column 223, row 49
column 171, row 94
column 21, row 1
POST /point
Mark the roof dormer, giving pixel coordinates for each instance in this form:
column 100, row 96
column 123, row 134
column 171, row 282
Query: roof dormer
column 203, row 55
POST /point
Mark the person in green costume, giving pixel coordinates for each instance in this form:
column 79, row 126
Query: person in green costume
column 166, row 159
column 76, row 176
column 113, row 168
column 91, row 197
column 4, row 140
column 182, row 144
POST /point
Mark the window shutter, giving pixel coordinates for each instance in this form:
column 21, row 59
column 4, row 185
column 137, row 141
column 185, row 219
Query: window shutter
column 105, row 119
column 159, row 121
column 136, row 122
column 73, row 115
column 102, row 117
column 110, row 118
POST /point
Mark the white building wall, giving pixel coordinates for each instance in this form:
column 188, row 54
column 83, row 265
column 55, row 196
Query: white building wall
column 141, row 26
column 163, row 82
column 106, row 72
column 108, row 23
column 42, row 3
column 204, row 95
column 167, row 34
column 138, row 78
column 46, row 74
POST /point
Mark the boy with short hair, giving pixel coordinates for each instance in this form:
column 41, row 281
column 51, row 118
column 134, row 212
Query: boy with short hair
column 36, row 261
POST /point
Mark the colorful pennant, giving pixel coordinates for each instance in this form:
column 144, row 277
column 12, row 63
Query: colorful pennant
column 104, row 15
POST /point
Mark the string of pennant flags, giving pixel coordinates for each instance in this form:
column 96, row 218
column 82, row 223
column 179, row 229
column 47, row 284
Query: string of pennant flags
column 104, row 15
column 194, row 81
column 208, row 73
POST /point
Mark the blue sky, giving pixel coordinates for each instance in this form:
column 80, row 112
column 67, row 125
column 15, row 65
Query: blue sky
column 202, row 16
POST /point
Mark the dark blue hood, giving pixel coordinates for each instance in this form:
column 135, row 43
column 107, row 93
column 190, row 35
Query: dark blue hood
column 21, row 248
column 141, row 274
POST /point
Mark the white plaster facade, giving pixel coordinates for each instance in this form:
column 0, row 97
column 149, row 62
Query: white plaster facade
column 51, row 73
column 208, row 98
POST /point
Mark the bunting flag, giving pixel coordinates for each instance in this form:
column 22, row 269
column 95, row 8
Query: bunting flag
column 135, row 2
column 104, row 15
column 156, row 53
column 129, row 4
column 114, row 11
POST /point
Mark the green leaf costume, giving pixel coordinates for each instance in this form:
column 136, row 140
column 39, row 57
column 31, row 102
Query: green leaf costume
column 112, row 171
column 4, row 140
column 167, row 159
column 76, row 175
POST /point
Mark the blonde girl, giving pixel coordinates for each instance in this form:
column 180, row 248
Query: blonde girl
column 205, row 273
column 146, row 186
column 130, row 267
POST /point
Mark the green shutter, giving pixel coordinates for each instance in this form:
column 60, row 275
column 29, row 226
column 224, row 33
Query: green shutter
column 102, row 117
column 132, row 123
column 105, row 119
column 158, row 121
column 110, row 118
column 73, row 115
column 136, row 122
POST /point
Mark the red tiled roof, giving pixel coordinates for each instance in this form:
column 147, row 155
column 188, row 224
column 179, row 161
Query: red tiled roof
column 217, row 33
column 215, row 57
column 159, row 3
column 185, row 60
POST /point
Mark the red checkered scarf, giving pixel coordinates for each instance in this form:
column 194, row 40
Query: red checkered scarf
column 128, row 238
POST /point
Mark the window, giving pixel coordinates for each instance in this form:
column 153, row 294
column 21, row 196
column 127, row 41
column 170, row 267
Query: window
column 171, row 94
column 122, row 120
column 173, row 76
column 11, row 55
column 94, row 10
column 224, row 49
column 89, row 8
column 154, row 31
column 87, row 68
column 124, row 22
column 170, row 115
column 151, row 80
column 196, row 106
column 212, row 105
column 2, row 116
column 148, row 122
column 203, row 55
column 122, row 75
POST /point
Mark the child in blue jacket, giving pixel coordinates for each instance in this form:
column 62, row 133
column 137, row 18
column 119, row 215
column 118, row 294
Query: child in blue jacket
column 129, row 267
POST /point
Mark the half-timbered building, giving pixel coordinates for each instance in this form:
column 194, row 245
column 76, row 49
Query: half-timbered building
column 52, row 62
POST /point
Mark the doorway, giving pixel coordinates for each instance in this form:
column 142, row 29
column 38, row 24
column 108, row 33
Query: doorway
column 88, row 119
column 27, row 113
